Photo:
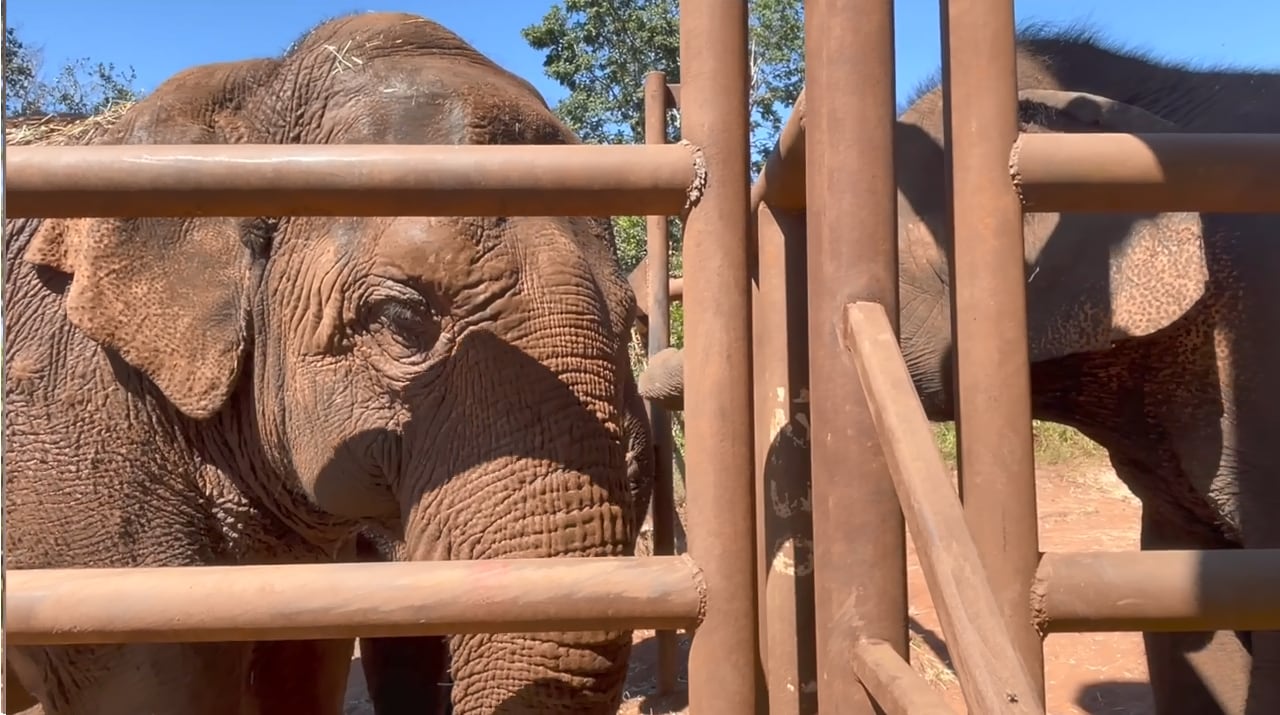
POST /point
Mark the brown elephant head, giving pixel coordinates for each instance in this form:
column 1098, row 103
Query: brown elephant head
column 1092, row 279
column 465, row 380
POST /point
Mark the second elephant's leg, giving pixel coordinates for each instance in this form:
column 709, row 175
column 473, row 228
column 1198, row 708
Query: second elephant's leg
column 1199, row 673
column 404, row 674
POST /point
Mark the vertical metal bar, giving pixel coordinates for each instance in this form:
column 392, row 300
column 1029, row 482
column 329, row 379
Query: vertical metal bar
column 859, row 538
column 988, row 279
column 659, row 300
column 783, row 504
column 724, row 657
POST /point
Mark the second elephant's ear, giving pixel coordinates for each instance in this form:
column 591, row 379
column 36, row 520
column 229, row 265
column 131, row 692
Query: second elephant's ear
column 1097, row 279
column 169, row 295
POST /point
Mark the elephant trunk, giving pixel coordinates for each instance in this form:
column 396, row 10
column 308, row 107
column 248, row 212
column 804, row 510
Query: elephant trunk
column 663, row 380
column 543, row 475
column 558, row 513
column 553, row 672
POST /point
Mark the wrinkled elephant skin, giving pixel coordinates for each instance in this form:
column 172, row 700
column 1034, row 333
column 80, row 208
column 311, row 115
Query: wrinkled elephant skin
column 663, row 379
column 232, row 391
column 1152, row 334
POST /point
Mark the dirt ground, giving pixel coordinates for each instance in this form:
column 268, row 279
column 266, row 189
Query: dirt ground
column 1081, row 508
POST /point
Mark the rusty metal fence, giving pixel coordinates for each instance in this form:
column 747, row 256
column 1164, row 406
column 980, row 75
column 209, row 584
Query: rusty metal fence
column 996, row 593
column 841, row 469
column 791, row 282
column 709, row 178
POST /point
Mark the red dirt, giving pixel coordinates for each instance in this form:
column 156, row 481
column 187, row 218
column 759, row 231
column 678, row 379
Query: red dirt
column 1081, row 508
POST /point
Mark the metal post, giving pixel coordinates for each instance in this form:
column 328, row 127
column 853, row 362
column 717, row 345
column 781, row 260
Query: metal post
column 724, row 658
column 988, row 279
column 659, row 300
column 859, row 539
column 783, row 502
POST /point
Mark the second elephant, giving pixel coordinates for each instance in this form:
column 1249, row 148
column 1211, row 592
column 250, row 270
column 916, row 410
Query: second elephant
column 1153, row 334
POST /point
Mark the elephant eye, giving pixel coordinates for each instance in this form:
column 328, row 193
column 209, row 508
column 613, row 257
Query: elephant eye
column 402, row 323
column 401, row 314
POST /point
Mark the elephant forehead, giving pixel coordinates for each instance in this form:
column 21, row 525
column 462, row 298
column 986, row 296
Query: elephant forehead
column 449, row 254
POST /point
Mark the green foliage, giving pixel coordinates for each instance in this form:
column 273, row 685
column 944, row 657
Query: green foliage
column 81, row 86
column 1053, row 443
column 600, row 51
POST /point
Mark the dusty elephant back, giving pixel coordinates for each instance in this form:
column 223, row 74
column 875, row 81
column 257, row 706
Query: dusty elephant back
column 1196, row 98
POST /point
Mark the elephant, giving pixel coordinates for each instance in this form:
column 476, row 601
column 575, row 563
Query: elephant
column 403, row 674
column 269, row 390
column 662, row 380
column 1152, row 334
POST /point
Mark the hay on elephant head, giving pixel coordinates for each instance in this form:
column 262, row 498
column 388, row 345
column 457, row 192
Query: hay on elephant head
column 61, row 129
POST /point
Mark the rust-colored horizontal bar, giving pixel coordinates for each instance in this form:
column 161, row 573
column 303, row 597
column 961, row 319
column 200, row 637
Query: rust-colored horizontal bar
column 897, row 688
column 1172, row 591
column 1097, row 172
column 639, row 280
column 306, row 601
column 347, row 180
column 991, row 673
column 782, row 182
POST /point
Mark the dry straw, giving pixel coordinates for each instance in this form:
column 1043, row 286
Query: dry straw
column 61, row 129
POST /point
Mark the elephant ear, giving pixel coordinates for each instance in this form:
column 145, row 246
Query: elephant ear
column 169, row 295
column 1097, row 279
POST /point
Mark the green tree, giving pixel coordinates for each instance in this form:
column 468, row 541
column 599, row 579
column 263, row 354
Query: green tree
column 80, row 87
column 600, row 51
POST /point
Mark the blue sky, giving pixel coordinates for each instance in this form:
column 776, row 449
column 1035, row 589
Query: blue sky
column 159, row 38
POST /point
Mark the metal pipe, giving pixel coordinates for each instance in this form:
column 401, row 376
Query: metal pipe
column 784, row 529
column 1147, row 172
column 1171, row 591
column 348, row 180
column 897, row 688
column 782, row 182
column 639, row 280
column 989, row 310
column 658, row 255
column 991, row 672
column 673, row 95
column 724, row 656
column 859, row 539
column 310, row 601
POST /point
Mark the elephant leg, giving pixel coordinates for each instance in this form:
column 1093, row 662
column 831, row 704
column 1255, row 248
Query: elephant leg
column 1197, row 673
column 300, row 677
column 404, row 674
